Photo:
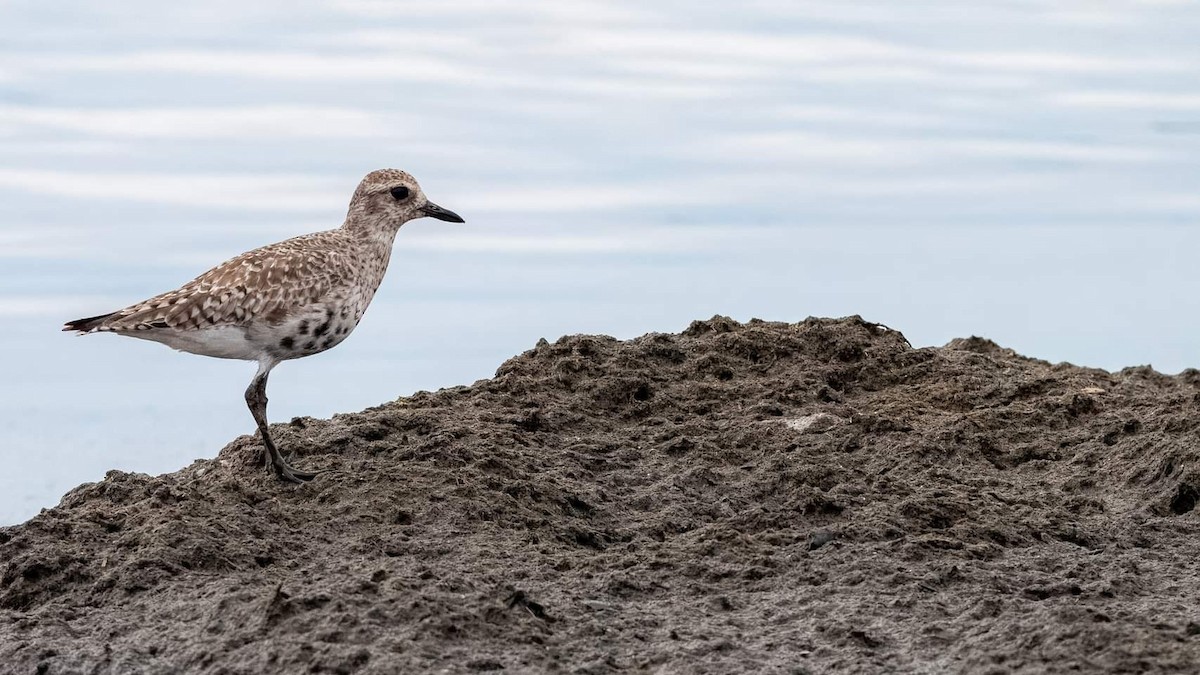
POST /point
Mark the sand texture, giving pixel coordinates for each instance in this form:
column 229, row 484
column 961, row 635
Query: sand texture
column 816, row 497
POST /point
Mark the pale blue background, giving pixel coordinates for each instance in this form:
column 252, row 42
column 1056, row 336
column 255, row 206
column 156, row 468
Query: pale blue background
column 1026, row 171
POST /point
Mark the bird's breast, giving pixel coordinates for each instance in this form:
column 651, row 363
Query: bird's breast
column 313, row 329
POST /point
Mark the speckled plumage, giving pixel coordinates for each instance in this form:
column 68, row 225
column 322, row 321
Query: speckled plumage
column 273, row 285
column 286, row 300
column 269, row 294
column 266, row 284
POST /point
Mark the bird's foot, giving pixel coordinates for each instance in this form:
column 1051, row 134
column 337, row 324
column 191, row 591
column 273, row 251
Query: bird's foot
column 283, row 469
column 279, row 464
column 290, row 474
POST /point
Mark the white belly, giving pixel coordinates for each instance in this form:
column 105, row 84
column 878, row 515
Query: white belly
column 311, row 330
column 222, row 342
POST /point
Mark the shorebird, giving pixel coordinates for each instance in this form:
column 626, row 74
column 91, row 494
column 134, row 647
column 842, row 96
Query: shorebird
column 284, row 301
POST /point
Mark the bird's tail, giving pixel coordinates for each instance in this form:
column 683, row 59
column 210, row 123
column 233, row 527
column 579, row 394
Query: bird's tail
column 87, row 325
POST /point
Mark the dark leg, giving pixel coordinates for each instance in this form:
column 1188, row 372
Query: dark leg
column 256, row 398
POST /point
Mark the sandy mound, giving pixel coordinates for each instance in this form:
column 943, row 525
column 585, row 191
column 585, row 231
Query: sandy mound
column 758, row 497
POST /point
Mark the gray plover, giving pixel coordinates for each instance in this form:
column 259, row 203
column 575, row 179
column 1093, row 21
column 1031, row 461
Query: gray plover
column 291, row 299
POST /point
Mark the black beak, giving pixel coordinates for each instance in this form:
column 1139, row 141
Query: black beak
column 434, row 211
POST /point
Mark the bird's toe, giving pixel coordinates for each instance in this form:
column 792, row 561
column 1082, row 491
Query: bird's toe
column 290, row 474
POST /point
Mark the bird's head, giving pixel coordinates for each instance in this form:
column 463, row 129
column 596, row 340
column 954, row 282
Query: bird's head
column 388, row 198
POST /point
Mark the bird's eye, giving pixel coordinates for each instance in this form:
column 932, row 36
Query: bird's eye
column 400, row 193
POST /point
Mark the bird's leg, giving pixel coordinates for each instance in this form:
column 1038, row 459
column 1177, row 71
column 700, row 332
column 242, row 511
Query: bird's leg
column 256, row 399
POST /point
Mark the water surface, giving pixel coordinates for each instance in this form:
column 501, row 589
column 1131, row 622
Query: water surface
column 1023, row 171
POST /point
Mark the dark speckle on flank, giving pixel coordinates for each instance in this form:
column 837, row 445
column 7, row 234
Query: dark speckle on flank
column 324, row 328
column 303, row 330
column 311, row 344
column 328, row 341
column 287, row 343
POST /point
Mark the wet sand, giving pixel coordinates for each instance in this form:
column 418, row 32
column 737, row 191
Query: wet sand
column 761, row 497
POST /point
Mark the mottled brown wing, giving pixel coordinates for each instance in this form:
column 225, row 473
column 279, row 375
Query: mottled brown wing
column 268, row 283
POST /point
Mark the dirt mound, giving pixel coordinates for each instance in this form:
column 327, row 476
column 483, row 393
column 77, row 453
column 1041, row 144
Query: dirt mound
column 758, row 497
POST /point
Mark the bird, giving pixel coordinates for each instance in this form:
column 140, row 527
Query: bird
column 283, row 301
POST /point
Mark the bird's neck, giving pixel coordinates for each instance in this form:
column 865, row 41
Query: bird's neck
column 373, row 249
column 371, row 233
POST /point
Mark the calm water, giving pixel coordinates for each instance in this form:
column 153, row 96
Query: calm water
column 1023, row 171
